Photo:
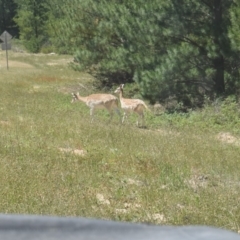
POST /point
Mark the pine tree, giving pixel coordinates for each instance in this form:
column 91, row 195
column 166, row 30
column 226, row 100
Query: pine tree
column 178, row 48
column 199, row 52
column 234, row 36
column 56, row 28
column 31, row 18
column 7, row 12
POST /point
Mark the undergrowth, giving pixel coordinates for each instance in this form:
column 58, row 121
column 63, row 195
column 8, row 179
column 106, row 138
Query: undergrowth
column 176, row 171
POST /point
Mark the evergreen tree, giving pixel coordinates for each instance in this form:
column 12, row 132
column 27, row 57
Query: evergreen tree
column 234, row 35
column 31, row 18
column 234, row 32
column 60, row 25
column 178, row 48
column 7, row 13
column 199, row 57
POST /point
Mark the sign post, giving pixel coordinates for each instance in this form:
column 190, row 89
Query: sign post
column 6, row 45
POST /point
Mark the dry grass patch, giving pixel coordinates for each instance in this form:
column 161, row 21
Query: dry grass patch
column 78, row 152
column 227, row 137
column 54, row 162
column 14, row 64
column 5, row 123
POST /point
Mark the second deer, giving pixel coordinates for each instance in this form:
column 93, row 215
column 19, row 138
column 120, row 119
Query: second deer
column 131, row 106
column 99, row 101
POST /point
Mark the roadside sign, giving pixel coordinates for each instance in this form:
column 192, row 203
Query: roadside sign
column 5, row 36
column 6, row 45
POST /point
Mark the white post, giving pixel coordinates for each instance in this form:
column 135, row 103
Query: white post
column 5, row 34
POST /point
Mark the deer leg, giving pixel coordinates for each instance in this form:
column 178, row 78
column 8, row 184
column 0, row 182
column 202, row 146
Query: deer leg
column 124, row 117
column 137, row 123
column 143, row 120
column 111, row 115
column 92, row 114
column 118, row 113
column 140, row 116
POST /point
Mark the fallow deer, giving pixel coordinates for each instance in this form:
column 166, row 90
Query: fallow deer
column 131, row 105
column 99, row 101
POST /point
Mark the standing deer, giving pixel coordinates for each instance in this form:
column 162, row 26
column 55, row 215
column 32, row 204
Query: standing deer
column 131, row 105
column 99, row 101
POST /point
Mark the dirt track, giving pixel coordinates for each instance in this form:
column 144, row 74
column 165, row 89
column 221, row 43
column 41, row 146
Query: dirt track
column 3, row 64
column 14, row 64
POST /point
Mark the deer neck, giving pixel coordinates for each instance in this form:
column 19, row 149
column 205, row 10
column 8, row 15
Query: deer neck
column 82, row 99
column 121, row 94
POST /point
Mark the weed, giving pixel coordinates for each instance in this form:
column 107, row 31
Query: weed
column 177, row 171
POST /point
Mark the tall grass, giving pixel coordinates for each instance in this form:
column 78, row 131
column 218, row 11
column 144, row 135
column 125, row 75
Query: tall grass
column 176, row 171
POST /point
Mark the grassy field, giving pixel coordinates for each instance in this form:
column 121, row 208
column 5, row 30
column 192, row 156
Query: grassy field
column 180, row 170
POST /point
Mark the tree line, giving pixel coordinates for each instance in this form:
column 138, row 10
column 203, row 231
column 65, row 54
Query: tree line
column 183, row 49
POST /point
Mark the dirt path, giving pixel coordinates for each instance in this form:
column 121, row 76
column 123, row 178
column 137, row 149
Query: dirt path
column 14, row 64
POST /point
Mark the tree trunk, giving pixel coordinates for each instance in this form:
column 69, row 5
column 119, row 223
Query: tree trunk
column 219, row 75
column 218, row 62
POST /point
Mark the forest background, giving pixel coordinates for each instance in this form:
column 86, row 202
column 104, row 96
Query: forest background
column 181, row 169
column 183, row 50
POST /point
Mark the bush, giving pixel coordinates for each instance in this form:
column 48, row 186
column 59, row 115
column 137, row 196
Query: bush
column 33, row 44
column 220, row 115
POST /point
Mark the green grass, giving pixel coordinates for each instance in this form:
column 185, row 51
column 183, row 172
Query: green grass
column 173, row 172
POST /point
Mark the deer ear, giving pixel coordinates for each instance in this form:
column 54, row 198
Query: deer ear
column 122, row 85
